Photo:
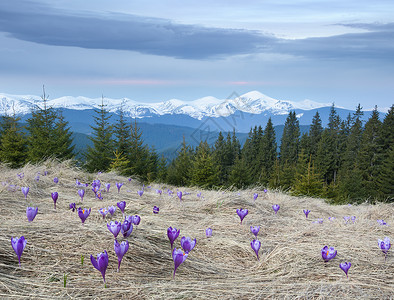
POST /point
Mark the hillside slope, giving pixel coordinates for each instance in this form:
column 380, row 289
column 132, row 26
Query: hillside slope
column 220, row 267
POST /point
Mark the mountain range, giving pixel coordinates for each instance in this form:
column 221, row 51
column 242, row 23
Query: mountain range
column 165, row 123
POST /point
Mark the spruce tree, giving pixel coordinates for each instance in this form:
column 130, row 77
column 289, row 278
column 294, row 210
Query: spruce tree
column 204, row 171
column 239, row 174
column 138, row 154
column 122, row 131
column 268, row 152
column 100, row 156
column 369, row 154
column 42, row 132
column 179, row 171
column 63, row 139
column 385, row 178
column 307, row 182
column 315, row 132
column 290, row 140
column 162, row 169
column 219, row 156
column 13, row 143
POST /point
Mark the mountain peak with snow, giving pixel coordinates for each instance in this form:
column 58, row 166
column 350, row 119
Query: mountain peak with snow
column 253, row 102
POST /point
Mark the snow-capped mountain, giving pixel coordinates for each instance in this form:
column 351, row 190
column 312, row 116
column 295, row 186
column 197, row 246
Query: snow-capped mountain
column 253, row 103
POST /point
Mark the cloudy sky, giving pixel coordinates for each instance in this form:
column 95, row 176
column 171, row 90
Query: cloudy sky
column 154, row 50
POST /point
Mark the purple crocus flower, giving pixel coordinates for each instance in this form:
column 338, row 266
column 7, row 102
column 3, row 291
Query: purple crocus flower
column 121, row 205
column 83, row 214
column 95, row 189
column 345, row 267
column 129, row 179
column 114, row 227
column 119, row 185
column 187, row 244
column 318, row 221
column 159, row 192
column 126, row 228
column 382, row 222
column 306, row 212
column 21, row 175
column 156, row 209
column 111, row 210
column 101, row 263
column 31, row 213
column 179, row 257
column 99, row 196
column 265, row 191
column 384, row 245
column 54, row 195
column 56, row 180
column 72, row 206
column 140, row 193
column 242, row 213
column 208, row 232
column 276, row 207
column 107, row 186
column 199, row 194
column 328, row 253
column 346, row 218
column 103, row 211
column 353, row 218
column 179, row 194
column 135, row 219
column 255, row 195
column 25, row 191
column 18, row 244
column 81, row 194
column 120, row 250
column 256, row 244
column 331, row 218
column 169, row 192
column 172, row 234
column 255, row 230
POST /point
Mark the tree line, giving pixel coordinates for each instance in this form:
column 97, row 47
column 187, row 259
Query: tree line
column 347, row 161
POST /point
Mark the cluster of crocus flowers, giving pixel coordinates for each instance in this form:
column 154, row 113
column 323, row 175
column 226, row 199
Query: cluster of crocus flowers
column 345, row 267
column 83, row 214
column 328, row 253
column 156, row 209
column 31, row 213
column 306, row 212
column 18, row 244
column 172, row 234
column 55, row 196
column 25, row 191
column 134, row 219
column 242, row 213
column 120, row 250
column 208, row 232
column 101, row 263
column 119, row 185
column 381, row 222
column 318, row 221
column 276, row 208
column 256, row 244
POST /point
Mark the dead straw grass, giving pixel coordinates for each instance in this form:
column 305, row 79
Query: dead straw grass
column 221, row 267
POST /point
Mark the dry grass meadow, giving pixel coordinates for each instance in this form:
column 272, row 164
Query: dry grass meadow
column 221, row 267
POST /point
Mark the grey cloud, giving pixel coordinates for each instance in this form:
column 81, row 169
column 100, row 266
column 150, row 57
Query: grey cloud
column 44, row 25
column 35, row 22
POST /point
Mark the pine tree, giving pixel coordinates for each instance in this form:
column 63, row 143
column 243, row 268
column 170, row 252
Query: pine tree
column 385, row 178
column 63, row 139
column 13, row 143
column 162, row 169
column 122, row 131
column 369, row 154
column 315, row 132
column 99, row 157
column 42, row 133
column 239, row 174
column 119, row 163
column 307, row 182
column 138, row 154
column 268, row 152
column 219, row 156
column 204, row 171
column 179, row 171
column 290, row 140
